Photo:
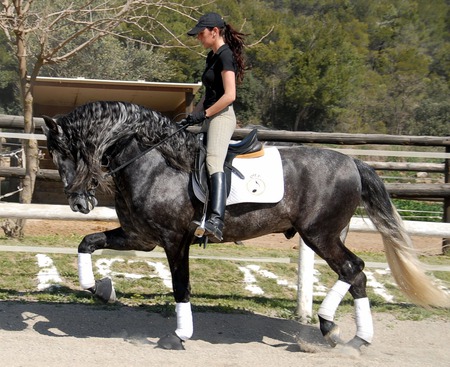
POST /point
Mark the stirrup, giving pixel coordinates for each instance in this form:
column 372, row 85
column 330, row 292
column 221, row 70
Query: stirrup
column 200, row 230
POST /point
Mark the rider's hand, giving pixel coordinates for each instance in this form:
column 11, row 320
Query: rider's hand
column 196, row 118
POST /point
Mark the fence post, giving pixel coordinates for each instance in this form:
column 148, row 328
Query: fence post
column 305, row 282
column 446, row 216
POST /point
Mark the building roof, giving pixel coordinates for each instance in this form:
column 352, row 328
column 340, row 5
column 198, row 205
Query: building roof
column 61, row 95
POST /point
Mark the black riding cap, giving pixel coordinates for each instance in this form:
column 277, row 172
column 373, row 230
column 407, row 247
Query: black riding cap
column 209, row 20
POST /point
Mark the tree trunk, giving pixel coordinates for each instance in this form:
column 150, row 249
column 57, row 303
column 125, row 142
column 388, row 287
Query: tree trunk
column 299, row 118
column 31, row 162
column 30, row 147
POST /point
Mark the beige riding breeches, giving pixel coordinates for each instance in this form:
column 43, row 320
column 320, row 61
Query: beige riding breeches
column 220, row 129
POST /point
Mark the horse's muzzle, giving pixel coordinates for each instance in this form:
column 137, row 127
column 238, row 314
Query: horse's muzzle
column 82, row 203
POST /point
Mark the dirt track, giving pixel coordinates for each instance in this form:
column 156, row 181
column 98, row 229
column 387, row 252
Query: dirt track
column 355, row 241
column 34, row 334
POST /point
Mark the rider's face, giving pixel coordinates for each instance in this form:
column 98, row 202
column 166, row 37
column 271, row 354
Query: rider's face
column 208, row 37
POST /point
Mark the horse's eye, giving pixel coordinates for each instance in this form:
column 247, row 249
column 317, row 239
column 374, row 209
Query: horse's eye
column 94, row 183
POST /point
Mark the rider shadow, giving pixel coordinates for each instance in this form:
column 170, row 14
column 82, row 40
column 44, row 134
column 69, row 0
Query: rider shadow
column 145, row 325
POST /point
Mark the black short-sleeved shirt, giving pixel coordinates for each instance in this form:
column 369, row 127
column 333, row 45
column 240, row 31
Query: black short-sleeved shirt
column 212, row 76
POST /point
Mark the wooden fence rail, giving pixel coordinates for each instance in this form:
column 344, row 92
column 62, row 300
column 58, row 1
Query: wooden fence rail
column 396, row 190
column 16, row 122
column 101, row 213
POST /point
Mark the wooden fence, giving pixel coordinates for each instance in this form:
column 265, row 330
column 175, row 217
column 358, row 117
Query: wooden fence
column 429, row 191
column 306, row 258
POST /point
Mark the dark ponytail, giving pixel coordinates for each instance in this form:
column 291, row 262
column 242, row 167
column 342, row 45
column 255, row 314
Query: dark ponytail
column 235, row 41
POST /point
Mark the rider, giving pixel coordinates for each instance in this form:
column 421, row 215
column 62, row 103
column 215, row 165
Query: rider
column 224, row 69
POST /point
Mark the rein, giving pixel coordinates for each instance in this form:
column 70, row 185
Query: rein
column 115, row 170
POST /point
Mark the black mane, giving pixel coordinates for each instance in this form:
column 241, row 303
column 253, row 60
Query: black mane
column 96, row 129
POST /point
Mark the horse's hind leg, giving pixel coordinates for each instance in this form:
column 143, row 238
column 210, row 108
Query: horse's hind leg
column 103, row 289
column 351, row 278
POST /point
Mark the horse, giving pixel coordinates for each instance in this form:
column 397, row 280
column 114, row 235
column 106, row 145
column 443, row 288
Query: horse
column 109, row 145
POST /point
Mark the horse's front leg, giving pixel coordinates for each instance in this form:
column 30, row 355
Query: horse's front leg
column 179, row 266
column 103, row 289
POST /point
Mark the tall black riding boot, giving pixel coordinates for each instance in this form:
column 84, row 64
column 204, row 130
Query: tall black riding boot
column 218, row 198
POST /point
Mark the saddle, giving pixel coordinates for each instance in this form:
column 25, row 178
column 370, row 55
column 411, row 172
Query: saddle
column 249, row 147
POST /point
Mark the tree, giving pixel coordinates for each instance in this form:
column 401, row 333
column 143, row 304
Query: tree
column 323, row 74
column 109, row 58
column 50, row 32
column 8, row 80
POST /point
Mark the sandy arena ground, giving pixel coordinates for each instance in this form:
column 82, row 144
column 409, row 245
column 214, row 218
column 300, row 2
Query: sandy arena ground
column 35, row 334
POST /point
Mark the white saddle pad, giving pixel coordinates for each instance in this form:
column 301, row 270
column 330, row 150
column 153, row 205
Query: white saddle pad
column 263, row 180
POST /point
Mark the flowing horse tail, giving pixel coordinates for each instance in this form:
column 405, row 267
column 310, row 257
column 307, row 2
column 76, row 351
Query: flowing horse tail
column 406, row 269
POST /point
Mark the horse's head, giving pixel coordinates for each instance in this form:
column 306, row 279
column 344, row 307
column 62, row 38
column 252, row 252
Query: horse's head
column 66, row 159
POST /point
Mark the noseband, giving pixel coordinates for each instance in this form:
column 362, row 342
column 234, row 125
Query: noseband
column 88, row 195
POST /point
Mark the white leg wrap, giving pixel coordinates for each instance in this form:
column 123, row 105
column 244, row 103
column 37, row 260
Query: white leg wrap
column 363, row 317
column 185, row 326
column 85, row 272
column 332, row 300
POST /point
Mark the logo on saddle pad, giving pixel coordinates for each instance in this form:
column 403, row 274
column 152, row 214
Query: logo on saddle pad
column 256, row 184
column 260, row 179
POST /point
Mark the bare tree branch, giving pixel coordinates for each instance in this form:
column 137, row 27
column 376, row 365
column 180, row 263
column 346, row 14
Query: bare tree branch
column 262, row 38
column 46, row 32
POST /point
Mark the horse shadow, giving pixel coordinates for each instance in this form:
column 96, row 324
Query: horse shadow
column 147, row 324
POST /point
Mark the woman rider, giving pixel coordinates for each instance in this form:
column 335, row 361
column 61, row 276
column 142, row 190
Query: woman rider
column 224, row 69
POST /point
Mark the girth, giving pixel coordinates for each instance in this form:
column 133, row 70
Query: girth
column 249, row 147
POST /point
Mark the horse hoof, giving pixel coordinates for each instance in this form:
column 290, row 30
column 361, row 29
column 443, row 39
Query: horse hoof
column 171, row 342
column 330, row 332
column 333, row 337
column 105, row 291
column 357, row 343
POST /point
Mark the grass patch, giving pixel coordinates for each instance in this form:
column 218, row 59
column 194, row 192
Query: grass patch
column 217, row 285
column 52, row 240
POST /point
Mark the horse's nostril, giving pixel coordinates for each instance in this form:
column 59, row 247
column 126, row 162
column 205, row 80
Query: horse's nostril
column 79, row 205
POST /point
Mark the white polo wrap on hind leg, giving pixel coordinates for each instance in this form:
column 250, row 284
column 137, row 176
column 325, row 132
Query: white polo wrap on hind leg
column 331, row 302
column 363, row 318
column 85, row 272
column 185, row 326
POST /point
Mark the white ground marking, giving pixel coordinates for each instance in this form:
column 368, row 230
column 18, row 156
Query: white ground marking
column 48, row 274
column 377, row 287
column 250, row 280
column 319, row 290
column 162, row 272
column 104, row 268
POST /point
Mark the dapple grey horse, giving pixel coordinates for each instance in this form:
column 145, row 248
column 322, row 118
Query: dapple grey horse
column 156, row 205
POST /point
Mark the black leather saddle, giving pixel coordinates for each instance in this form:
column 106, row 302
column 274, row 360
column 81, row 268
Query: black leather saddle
column 250, row 145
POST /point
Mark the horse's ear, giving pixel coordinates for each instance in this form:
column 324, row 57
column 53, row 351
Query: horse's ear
column 50, row 125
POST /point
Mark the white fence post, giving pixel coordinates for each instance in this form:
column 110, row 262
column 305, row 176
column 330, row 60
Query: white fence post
column 305, row 282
